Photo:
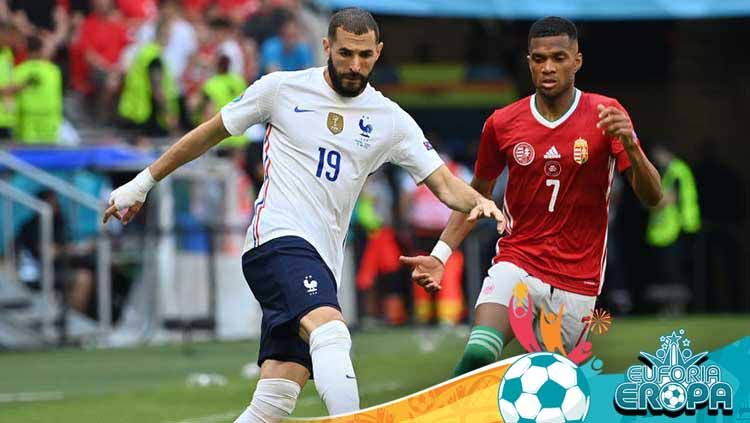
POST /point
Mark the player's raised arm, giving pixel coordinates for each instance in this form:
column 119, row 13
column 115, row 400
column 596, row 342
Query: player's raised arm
column 642, row 175
column 132, row 195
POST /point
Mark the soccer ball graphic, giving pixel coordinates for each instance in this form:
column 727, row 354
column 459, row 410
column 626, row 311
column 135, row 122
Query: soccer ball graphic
column 544, row 387
column 673, row 396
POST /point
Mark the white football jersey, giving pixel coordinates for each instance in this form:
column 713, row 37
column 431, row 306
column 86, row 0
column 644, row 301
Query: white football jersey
column 318, row 151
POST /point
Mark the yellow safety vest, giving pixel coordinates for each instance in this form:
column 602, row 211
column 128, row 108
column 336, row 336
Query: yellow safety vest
column 135, row 100
column 221, row 90
column 666, row 224
column 40, row 104
column 7, row 103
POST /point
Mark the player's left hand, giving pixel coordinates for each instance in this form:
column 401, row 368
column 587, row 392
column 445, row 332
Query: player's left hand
column 427, row 271
column 487, row 208
column 616, row 124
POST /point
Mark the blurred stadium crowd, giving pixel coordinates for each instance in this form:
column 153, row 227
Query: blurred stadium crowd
column 145, row 71
column 152, row 67
column 86, row 73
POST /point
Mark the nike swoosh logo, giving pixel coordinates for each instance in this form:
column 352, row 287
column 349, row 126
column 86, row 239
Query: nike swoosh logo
column 298, row 110
column 350, row 377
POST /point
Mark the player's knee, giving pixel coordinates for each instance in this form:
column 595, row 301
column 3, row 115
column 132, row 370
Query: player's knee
column 317, row 318
column 493, row 315
column 274, row 369
column 273, row 400
column 323, row 315
column 333, row 334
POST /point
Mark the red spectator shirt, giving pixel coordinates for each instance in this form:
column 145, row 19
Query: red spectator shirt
column 108, row 37
column 240, row 9
column 559, row 179
column 196, row 7
column 138, row 9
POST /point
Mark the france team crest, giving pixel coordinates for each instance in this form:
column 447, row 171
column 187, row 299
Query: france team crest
column 673, row 382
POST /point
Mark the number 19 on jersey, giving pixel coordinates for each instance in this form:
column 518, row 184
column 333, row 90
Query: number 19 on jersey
column 333, row 159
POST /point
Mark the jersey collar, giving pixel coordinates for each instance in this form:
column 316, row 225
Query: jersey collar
column 554, row 123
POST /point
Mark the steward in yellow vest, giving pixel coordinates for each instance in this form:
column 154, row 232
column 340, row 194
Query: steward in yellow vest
column 679, row 212
column 149, row 96
column 219, row 91
column 7, row 100
column 39, row 101
column 8, row 114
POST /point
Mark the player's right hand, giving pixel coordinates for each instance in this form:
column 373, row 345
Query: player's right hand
column 487, row 208
column 129, row 198
column 427, row 271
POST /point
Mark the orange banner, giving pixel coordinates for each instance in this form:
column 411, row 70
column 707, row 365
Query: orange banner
column 472, row 397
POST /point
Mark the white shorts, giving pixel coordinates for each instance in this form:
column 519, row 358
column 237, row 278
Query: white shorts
column 503, row 277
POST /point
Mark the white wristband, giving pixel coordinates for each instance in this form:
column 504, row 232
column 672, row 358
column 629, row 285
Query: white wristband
column 442, row 251
column 144, row 180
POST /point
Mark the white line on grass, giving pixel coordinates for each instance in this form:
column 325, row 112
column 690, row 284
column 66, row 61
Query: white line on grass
column 31, row 396
column 309, row 400
column 212, row 418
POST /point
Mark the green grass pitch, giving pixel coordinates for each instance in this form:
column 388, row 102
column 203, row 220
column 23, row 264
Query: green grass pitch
column 148, row 384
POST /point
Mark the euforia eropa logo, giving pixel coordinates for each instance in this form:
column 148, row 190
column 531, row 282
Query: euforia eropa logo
column 673, row 382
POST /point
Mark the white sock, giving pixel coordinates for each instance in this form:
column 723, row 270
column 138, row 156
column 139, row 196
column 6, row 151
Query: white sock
column 332, row 367
column 273, row 400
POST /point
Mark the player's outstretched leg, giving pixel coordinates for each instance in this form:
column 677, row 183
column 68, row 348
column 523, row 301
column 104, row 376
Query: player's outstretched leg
column 490, row 332
column 330, row 345
column 276, row 392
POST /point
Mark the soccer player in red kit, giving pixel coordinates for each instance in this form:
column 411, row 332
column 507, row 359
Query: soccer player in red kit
column 561, row 147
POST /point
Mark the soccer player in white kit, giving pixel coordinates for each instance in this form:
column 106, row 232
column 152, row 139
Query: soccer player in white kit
column 328, row 129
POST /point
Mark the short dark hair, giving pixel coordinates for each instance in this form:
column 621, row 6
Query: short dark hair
column 223, row 64
column 34, row 44
column 552, row 26
column 220, row 23
column 353, row 19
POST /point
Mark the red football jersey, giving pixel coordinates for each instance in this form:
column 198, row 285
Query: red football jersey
column 556, row 202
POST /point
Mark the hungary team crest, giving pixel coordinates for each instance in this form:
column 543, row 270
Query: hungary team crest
column 580, row 151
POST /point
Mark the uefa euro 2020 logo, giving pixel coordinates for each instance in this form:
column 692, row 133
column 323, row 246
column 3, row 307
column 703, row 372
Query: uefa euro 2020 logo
column 673, row 382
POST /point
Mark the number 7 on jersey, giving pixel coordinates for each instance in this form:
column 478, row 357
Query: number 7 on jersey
column 555, row 184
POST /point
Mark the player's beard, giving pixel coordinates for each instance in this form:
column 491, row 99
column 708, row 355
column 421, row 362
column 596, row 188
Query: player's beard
column 338, row 86
column 551, row 96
